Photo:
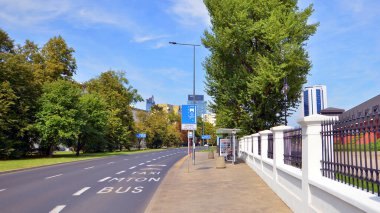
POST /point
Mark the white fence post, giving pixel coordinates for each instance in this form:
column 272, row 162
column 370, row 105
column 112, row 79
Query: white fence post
column 264, row 143
column 311, row 152
column 278, row 147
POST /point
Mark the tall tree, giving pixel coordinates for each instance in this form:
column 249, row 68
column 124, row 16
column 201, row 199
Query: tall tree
column 18, row 100
column 93, row 116
column 114, row 88
column 59, row 119
column 253, row 49
column 59, row 62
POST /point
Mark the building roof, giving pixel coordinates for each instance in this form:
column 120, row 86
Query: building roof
column 332, row 111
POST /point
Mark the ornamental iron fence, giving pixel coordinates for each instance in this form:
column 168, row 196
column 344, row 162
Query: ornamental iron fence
column 259, row 145
column 350, row 151
column 270, row 146
column 293, row 147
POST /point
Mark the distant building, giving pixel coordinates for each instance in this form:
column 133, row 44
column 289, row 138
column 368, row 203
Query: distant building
column 210, row 118
column 135, row 111
column 199, row 102
column 149, row 103
column 169, row 108
column 314, row 100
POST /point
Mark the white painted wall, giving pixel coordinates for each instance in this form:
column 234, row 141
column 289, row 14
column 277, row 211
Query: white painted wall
column 304, row 190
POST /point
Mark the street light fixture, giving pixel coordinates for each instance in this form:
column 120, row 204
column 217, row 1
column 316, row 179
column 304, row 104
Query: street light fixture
column 193, row 45
column 284, row 91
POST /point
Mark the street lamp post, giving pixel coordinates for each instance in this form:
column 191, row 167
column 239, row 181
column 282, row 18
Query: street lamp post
column 284, row 91
column 193, row 45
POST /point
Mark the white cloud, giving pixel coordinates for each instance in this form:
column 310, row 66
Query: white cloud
column 145, row 38
column 159, row 45
column 191, row 12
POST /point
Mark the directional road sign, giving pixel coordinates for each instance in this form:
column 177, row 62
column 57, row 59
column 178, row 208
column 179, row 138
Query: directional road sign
column 141, row 135
column 189, row 117
column 206, row 137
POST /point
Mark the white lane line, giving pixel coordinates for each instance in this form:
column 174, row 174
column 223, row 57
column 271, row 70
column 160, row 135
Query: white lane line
column 111, row 162
column 148, row 161
column 120, row 172
column 154, row 159
column 104, row 179
column 156, row 165
column 89, row 167
column 81, row 191
column 125, row 159
column 132, row 167
column 53, row 176
column 2, row 190
column 57, row 209
column 141, row 164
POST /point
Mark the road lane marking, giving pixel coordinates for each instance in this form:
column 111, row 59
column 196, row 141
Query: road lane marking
column 156, row 165
column 2, row 190
column 120, row 172
column 125, row 159
column 81, row 191
column 111, row 162
column 53, row 176
column 89, row 167
column 141, row 164
column 57, row 209
column 104, row 179
column 132, row 167
column 148, row 161
column 154, row 159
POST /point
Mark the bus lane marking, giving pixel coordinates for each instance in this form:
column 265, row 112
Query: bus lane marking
column 53, row 176
column 81, row 191
column 104, row 179
column 89, row 167
column 57, row 209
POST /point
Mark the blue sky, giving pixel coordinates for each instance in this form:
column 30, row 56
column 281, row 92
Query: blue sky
column 133, row 36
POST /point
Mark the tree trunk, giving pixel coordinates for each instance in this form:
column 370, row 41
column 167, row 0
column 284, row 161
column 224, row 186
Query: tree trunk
column 51, row 150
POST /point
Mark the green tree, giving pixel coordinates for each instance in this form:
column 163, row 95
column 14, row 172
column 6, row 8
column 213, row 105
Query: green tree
column 114, row 88
column 59, row 119
column 18, row 100
column 94, row 116
column 253, row 49
column 59, row 62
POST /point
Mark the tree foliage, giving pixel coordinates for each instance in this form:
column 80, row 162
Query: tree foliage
column 114, row 88
column 253, row 49
column 59, row 119
column 161, row 128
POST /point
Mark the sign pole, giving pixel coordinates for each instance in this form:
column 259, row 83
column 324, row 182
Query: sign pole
column 188, row 152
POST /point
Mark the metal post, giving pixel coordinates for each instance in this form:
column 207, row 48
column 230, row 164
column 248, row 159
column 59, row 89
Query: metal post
column 193, row 45
column 194, row 138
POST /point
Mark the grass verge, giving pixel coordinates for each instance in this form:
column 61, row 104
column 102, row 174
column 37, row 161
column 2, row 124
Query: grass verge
column 60, row 157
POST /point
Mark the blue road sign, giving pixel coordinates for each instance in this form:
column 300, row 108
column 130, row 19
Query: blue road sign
column 141, row 135
column 206, row 137
column 189, row 117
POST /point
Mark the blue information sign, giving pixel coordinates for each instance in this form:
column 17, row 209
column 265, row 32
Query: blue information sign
column 141, row 135
column 206, row 137
column 189, row 117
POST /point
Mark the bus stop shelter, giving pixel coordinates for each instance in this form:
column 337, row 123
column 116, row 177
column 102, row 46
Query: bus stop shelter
column 227, row 147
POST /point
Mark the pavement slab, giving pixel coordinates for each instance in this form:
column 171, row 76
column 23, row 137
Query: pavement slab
column 237, row 188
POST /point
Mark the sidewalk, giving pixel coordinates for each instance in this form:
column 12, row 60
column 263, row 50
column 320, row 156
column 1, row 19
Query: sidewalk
column 236, row 188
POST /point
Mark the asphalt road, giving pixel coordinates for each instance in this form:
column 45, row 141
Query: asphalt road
column 123, row 183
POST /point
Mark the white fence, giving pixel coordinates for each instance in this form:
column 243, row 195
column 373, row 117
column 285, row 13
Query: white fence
column 303, row 190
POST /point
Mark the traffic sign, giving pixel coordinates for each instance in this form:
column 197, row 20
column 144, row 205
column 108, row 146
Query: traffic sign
column 141, row 135
column 206, row 137
column 189, row 117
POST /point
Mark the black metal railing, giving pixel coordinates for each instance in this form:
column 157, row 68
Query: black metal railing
column 350, row 152
column 252, row 144
column 293, row 147
column 259, row 145
column 270, row 146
